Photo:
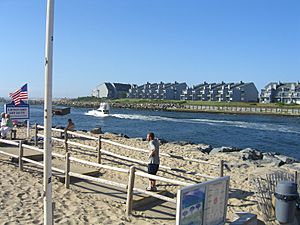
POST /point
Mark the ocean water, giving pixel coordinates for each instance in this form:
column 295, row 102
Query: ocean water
column 266, row 133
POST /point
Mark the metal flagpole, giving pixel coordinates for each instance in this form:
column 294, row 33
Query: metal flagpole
column 48, row 213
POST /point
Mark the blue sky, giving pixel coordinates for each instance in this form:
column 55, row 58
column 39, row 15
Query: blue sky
column 135, row 41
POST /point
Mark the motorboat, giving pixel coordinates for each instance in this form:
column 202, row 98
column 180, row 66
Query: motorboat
column 102, row 111
column 103, row 108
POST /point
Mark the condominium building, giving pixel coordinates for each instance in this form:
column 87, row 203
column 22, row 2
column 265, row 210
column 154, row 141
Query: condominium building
column 281, row 92
column 111, row 90
column 229, row 92
column 167, row 91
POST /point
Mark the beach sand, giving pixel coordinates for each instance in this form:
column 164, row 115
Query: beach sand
column 21, row 199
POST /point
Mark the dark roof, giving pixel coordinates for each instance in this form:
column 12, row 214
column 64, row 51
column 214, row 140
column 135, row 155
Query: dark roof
column 109, row 86
column 122, row 87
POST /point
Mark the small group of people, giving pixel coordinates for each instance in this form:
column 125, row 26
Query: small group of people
column 6, row 124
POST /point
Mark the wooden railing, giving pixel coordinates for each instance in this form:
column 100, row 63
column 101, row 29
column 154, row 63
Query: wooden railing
column 100, row 151
column 132, row 171
column 130, row 187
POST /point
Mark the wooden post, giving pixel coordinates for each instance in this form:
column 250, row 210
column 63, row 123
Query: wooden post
column 35, row 134
column 296, row 176
column 99, row 149
column 221, row 168
column 130, row 190
column 66, row 141
column 21, row 153
column 67, row 170
column 53, row 209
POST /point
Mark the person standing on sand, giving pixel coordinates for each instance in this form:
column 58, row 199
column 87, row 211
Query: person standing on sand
column 153, row 161
column 6, row 124
column 70, row 125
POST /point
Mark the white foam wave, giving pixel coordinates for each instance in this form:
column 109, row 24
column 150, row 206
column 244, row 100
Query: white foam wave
column 212, row 122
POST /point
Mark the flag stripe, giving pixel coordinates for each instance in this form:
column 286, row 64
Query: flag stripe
column 20, row 94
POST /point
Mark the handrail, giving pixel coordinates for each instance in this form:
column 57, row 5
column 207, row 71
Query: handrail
column 127, row 147
column 108, row 182
column 70, row 142
column 155, row 177
column 130, row 159
column 9, row 142
column 41, row 150
column 99, row 165
column 122, row 145
column 155, row 195
column 8, row 154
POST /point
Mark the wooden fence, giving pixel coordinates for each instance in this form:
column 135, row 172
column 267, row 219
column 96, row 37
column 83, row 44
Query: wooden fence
column 101, row 151
column 132, row 172
column 128, row 187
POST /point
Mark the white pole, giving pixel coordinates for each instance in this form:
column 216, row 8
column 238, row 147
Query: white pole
column 28, row 129
column 48, row 115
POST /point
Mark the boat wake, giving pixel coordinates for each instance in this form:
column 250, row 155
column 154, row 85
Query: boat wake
column 96, row 113
column 212, row 122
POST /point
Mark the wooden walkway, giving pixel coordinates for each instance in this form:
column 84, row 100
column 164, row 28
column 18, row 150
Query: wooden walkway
column 152, row 207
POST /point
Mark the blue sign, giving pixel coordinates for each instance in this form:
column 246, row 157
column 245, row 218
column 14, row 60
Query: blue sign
column 204, row 203
column 20, row 111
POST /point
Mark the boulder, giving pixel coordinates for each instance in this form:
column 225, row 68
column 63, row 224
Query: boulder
column 122, row 135
column 235, row 165
column 85, row 131
column 286, row 159
column 251, row 154
column 269, row 158
column 162, row 141
column 205, row 148
column 96, row 130
column 223, row 149
column 183, row 143
column 59, row 127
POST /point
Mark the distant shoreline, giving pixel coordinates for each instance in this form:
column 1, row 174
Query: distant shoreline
column 179, row 107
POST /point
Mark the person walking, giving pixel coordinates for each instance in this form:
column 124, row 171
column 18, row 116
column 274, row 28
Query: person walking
column 153, row 160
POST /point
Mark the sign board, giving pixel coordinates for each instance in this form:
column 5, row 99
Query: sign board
column 17, row 112
column 203, row 204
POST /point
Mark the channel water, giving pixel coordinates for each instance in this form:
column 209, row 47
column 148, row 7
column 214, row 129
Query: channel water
column 266, row 133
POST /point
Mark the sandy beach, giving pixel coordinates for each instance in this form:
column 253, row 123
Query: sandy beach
column 21, row 191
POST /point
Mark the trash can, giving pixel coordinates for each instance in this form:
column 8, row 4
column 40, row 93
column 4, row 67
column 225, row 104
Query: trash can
column 285, row 205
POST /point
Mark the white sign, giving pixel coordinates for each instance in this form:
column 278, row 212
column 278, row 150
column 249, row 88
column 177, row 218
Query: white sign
column 17, row 112
column 203, row 204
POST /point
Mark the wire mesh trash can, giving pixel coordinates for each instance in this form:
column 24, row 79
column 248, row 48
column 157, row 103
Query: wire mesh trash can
column 285, row 205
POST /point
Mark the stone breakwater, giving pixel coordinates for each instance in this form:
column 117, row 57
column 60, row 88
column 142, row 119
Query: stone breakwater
column 181, row 107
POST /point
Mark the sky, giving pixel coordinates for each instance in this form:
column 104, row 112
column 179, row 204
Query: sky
column 139, row 41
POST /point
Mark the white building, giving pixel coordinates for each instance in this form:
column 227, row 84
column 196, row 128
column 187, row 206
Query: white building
column 281, row 92
column 111, row 90
column 167, row 91
column 222, row 92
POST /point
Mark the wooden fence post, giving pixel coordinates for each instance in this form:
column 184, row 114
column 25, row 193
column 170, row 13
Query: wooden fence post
column 35, row 134
column 130, row 191
column 296, row 176
column 21, row 153
column 221, row 168
column 99, row 149
column 66, row 141
column 67, row 170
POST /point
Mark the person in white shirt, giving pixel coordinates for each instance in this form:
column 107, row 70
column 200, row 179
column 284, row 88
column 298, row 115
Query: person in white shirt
column 153, row 160
column 6, row 124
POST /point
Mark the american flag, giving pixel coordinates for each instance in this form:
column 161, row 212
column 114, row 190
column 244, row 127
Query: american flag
column 20, row 94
